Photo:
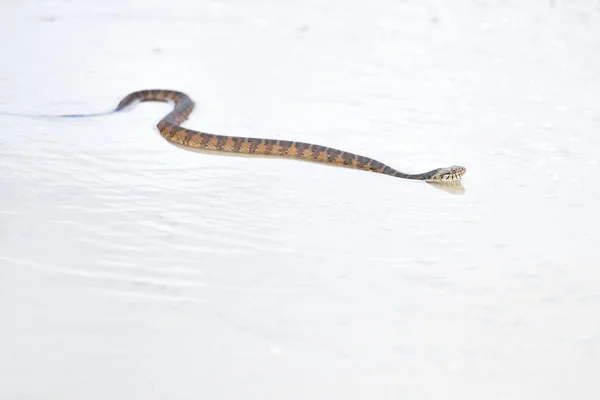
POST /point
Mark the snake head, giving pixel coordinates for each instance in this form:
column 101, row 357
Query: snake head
column 454, row 173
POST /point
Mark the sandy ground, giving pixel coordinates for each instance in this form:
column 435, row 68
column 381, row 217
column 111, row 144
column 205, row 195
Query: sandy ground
column 132, row 269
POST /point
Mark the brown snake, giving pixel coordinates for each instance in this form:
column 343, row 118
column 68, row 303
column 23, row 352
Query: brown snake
column 171, row 130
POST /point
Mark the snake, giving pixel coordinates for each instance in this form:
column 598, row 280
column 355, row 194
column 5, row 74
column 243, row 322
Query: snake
column 170, row 128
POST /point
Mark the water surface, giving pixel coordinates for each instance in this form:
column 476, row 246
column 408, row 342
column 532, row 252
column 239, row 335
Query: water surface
column 130, row 268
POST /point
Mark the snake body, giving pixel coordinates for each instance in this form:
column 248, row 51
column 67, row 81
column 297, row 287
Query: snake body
column 170, row 128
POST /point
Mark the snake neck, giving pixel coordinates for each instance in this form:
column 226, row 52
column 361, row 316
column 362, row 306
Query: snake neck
column 399, row 174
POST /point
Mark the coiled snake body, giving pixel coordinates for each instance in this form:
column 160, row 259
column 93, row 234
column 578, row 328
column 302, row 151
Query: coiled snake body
column 171, row 130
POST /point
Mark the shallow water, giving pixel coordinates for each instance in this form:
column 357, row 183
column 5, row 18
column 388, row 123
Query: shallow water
column 130, row 268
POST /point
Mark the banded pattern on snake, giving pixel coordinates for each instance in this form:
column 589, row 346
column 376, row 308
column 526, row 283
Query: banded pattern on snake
column 171, row 130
